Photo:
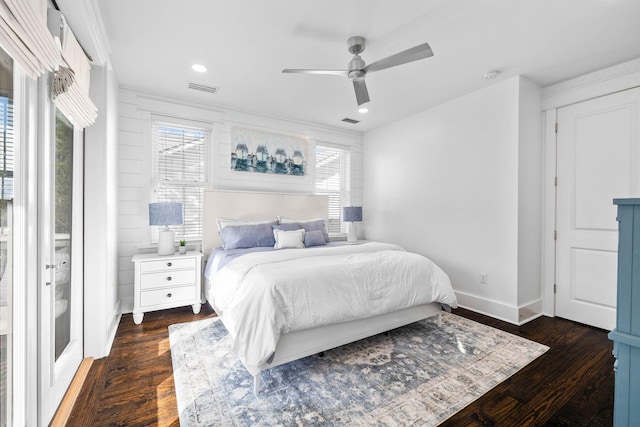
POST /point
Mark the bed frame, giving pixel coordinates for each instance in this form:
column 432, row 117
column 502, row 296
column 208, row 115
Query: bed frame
column 298, row 344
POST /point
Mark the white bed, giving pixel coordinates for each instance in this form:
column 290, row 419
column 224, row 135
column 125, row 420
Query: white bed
column 299, row 343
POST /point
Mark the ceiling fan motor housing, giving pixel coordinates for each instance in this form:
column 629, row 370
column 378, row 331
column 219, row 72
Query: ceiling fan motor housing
column 355, row 68
column 356, row 45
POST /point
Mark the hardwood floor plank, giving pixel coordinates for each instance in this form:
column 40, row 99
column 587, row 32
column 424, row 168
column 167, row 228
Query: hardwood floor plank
column 571, row 384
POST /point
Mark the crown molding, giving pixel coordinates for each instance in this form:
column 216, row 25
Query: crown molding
column 591, row 85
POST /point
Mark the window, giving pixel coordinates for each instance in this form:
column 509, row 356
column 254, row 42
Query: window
column 333, row 178
column 180, row 173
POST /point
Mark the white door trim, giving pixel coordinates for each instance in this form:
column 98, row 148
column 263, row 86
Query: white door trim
column 599, row 83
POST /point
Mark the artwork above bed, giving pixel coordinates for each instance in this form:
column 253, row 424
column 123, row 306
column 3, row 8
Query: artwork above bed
column 264, row 152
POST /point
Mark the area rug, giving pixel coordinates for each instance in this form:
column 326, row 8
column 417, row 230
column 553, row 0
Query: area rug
column 419, row 374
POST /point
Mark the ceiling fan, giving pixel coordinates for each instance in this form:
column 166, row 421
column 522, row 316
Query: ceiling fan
column 357, row 70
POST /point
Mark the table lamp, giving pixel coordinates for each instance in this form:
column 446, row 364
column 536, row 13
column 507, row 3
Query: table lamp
column 165, row 214
column 352, row 214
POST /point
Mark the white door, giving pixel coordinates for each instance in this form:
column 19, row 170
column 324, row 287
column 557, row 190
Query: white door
column 60, row 261
column 598, row 160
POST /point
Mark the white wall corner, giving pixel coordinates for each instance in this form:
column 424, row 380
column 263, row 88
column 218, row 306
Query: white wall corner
column 100, row 256
column 530, row 210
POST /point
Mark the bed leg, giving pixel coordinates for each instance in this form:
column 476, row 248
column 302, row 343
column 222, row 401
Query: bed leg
column 439, row 320
column 257, row 380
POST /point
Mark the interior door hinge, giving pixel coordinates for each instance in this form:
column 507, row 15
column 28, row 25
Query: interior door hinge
column 555, row 288
column 556, row 127
column 555, row 181
column 555, row 234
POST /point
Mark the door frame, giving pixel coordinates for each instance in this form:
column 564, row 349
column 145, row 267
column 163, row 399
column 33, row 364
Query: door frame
column 589, row 86
column 72, row 356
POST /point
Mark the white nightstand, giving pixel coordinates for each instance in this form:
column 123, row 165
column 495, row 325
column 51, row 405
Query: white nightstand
column 165, row 282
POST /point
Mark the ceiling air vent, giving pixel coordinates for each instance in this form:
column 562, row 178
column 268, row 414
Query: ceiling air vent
column 203, row 88
column 352, row 121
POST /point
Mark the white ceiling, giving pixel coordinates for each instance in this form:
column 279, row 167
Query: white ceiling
column 246, row 43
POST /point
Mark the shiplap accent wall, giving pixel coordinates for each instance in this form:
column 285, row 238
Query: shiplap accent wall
column 134, row 165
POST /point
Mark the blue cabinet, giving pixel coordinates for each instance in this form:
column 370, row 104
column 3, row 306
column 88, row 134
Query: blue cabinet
column 626, row 336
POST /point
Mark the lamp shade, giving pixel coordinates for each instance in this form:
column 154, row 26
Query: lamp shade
column 165, row 213
column 352, row 214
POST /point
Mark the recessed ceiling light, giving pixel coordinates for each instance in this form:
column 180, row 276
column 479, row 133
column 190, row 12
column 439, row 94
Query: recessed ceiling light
column 199, row 68
column 363, row 110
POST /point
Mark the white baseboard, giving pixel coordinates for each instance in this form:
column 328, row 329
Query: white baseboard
column 530, row 311
column 499, row 310
column 113, row 330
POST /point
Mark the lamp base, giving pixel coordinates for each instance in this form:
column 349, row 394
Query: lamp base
column 352, row 232
column 166, row 242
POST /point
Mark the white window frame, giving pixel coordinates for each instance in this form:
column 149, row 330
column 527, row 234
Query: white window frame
column 158, row 183
column 343, row 190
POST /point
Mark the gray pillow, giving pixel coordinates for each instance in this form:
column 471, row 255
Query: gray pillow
column 317, row 225
column 287, row 227
column 247, row 236
column 314, row 238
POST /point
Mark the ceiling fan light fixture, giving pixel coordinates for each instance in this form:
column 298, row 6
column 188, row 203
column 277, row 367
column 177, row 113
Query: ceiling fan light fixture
column 363, row 110
column 199, row 68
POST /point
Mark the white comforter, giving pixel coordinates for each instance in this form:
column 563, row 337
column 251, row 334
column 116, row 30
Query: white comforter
column 262, row 295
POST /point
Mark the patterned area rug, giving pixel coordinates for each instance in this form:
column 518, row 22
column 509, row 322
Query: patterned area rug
column 415, row 375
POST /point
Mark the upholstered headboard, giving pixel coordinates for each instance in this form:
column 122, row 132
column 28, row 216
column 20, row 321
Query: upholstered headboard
column 246, row 205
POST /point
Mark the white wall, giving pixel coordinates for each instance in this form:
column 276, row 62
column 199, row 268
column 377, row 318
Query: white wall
column 446, row 183
column 102, row 305
column 134, row 165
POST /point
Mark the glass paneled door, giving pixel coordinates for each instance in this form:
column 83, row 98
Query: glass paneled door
column 61, row 255
column 6, row 237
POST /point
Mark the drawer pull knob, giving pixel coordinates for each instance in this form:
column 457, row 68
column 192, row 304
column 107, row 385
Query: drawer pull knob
column 169, row 264
column 168, row 295
column 169, row 278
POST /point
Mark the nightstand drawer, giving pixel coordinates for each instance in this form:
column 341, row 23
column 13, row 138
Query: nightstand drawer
column 166, row 296
column 167, row 278
column 170, row 264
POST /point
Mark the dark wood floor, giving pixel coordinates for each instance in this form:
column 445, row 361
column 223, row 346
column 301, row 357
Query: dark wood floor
column 570, row 385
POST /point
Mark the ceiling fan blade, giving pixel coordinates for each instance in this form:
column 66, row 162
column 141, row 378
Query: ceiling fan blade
column 362, row 94
column 328, row 72
column 417, row 52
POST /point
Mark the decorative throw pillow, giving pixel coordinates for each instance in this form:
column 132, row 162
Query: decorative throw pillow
column 289, row 239
column 316, row 225
column 247, row 236
column 314, row 238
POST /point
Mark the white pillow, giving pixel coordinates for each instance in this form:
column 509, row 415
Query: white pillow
column 222, row 222
column 289, row 239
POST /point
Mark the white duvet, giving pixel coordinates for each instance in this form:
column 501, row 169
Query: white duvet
column 262, row 295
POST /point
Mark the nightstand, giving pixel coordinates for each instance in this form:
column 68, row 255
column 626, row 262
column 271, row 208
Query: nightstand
column 163, row 282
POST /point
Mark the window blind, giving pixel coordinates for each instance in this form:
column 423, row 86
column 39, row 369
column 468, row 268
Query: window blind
column 180, row 173
column 333, row 178
column 24, row 35
column 6, row 149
